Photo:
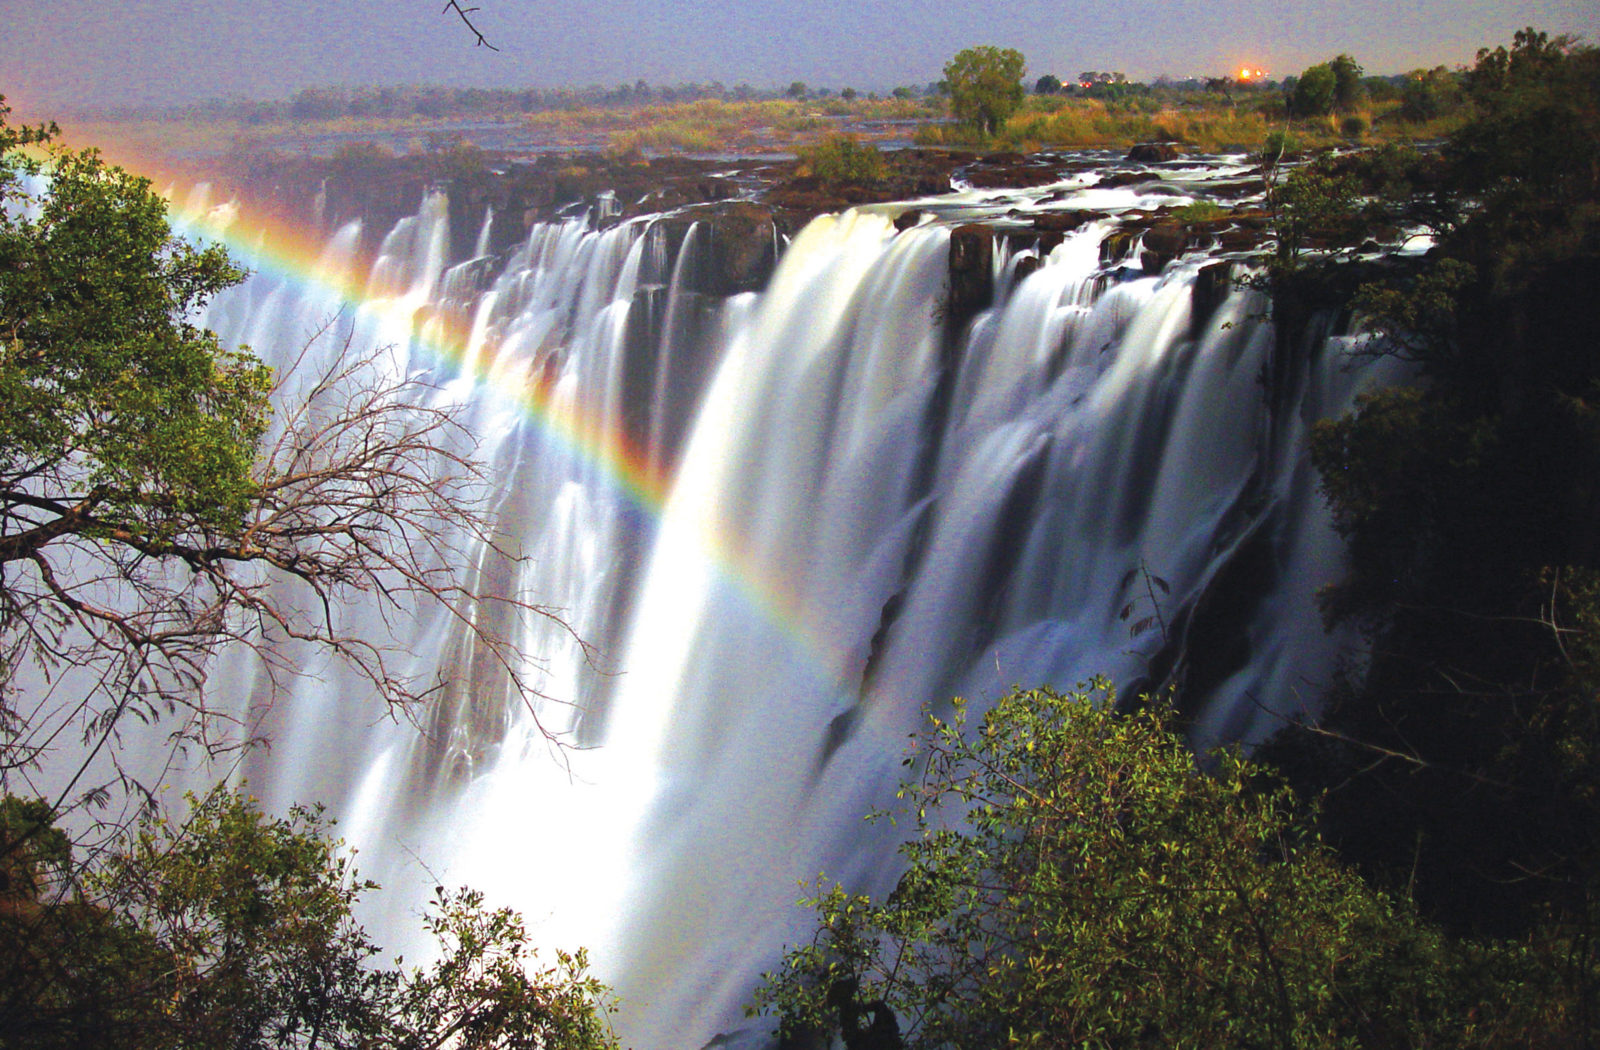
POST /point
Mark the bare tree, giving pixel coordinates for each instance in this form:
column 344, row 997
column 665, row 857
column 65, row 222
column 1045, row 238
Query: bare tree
column 367, row 489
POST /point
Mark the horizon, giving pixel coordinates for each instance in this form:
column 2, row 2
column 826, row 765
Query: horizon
column 77, row 55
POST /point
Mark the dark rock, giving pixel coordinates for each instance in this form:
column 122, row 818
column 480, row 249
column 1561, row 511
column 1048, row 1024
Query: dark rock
column 908, row 218
column 971, row 271
column 1240, row 239
column 1123, row 178
column 1060, row 221
column 1154, row 152
column 1167, row 238
column 1211, row 286
column 1116, row 246
column 1161, row 244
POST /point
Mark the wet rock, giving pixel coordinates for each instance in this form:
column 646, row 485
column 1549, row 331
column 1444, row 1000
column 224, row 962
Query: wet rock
column 1154, row 152
column 1116, row 246
column 908, row 218
column 971, row 272
column 1123, row 178
column 1211, row 286
column 1161, row 244
column 1060, row 221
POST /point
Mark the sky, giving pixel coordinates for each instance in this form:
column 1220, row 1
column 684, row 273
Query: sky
column 66, row 54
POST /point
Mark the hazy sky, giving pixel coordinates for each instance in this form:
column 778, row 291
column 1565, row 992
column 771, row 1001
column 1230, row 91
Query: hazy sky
column 70, row 52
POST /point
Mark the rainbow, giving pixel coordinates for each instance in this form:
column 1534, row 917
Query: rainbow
column 276, row 248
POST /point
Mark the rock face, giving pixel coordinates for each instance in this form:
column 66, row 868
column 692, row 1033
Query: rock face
column 971, row 272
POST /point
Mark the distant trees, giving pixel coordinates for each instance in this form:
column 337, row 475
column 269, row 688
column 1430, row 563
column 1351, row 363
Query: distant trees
column 1049, row 84
column 985, row 85
column 1348, row 90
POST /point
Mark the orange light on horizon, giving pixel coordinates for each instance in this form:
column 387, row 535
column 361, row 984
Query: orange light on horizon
column 1246, row 73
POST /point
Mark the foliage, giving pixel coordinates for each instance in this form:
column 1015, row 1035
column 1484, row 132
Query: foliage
column 1201, row 211
column 1348, row 89
column 1427, row 94
column 844, row 158
column 236, row 930
column 110, row 394
column 1469, row 506
column 1049, row 84
column 153, row 507
column 1074, row 879
column 985, row 86
column 1278, row 145
column 1313, row 94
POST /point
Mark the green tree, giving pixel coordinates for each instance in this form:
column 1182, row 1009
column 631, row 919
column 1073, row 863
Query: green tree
column 1348, row 90
column 1049, row 84
column 1464, row 761
column 985, row 85
column 152, row 492
column 236, row 930
column 1314, row 92
column 1074, row 879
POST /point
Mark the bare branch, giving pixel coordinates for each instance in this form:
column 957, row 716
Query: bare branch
column 465, row 15
column 367, row 494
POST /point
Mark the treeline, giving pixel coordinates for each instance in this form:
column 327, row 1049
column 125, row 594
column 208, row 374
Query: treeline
column 432, row 101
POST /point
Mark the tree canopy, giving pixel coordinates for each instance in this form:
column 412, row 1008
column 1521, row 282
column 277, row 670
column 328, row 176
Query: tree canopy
column 1074, row 878
column 233, row 930
column 985, row 85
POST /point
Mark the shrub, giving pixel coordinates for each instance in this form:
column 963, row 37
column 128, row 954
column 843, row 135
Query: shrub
column 844, row 158
column 1074, row 879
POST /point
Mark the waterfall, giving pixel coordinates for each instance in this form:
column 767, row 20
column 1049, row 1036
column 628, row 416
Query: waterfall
column 870, row 506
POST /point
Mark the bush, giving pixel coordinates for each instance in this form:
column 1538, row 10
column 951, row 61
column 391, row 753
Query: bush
column 236, row 930
column 1279, row 145
column 1074, row 879
column 844, row 158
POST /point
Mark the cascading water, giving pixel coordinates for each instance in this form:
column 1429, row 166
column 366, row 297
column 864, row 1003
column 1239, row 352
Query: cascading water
column 871, row 509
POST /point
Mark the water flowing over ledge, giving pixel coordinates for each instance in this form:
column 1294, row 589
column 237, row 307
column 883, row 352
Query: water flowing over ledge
column 788, row 523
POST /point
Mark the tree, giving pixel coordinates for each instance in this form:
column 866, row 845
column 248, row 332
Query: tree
column 985, row 85
column 1049, row 84
column 1463, row 761
column 1313, row 92
column 1074, row 879
column 236, row 930
column 162, row 495
column 1348, row 90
